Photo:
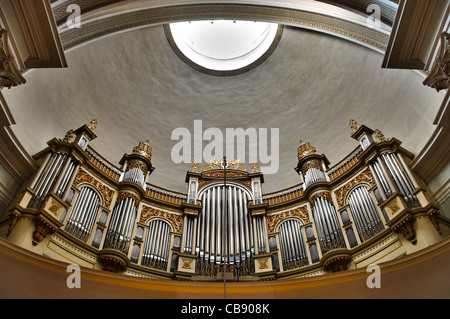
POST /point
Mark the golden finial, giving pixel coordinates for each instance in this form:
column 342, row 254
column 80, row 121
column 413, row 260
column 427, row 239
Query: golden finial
column 255, row 168
column 353, row 125
column 379, row 136
column 144, row 149
column 69, row 136
column 195, row 168
column 305, row 149
column 93, row 125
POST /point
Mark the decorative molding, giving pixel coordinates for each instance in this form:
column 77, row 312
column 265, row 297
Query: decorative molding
column 83, row 177
column 275, row 219
column 360, row 33
column 9, row 73
column 363, row 177
column 439, row 77
column 42, row 229
column 324, row 194
column 406, row 227
column 148, row 212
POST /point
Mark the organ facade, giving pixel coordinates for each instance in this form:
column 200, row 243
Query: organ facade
column 368, row 208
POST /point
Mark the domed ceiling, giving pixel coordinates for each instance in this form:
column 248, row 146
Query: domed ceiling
column 138, row 89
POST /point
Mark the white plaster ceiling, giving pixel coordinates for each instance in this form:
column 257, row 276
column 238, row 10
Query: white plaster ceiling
column 138, row 88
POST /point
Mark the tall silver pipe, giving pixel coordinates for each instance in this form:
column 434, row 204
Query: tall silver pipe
column 213, row 223
column 377, row 181
column 355, row 213
column 44, row 174
column 46, row 186
column 386, row 188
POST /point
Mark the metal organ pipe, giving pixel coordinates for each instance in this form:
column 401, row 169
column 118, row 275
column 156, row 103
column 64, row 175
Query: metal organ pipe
column 218, row 243
column 120, row 229
column 327, row 225
column 382, row 178
column 363, row 209
column 83, row 214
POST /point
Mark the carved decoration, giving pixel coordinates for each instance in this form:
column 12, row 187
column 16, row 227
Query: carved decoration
column 406, row 227
column 300, row 212
column 337, row 264
column 263, row 263
column 69, row 137
column 195, row 168
column 93, row 125
column 309, row 164
column 13, row 219
column 341, row 193
column 54, row 208
column 439, row 77
column 124, row 195
column 379, row 136
column 215, row 165
column 83, row 177
column 9, row 74
column 394, row 207
column 354, row 125
column 175, row 220
column 143, row 149
column 43, row 228
column 325, row 195
column 304, row 150
column 139, row 164
column 113, row 261
column 255, row 168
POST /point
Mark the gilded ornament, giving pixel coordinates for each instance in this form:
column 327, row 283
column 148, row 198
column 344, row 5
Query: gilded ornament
column 124, row 195
column 224, row 164
column 68, row 138
column 195, row 168
column 263, row 264
column 304, row 150
column 255, row 168
column 353, row 125
column 364, row 177
column 379, row 136
column 275, row 219
column 83, row 177
column 54, row 208
column 93, row 125
column 144, row 149
column 175, row 220
column 394, row 207
column 325, row 195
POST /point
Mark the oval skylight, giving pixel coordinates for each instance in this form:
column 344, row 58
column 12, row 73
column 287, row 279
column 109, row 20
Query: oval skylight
column 224, row 45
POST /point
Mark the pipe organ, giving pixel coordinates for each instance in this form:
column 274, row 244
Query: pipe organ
column 224, row 226
column 224, row 233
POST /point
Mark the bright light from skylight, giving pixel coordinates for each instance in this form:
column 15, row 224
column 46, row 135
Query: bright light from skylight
column 223, row 45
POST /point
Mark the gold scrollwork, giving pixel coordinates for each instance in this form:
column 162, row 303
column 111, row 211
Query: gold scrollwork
column 175, row 220
column 300, row 212
column 83, row 177
column 124, row 195
column 325, row 195
column 341, row 193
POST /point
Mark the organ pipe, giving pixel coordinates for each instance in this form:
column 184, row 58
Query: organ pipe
column 217, row 243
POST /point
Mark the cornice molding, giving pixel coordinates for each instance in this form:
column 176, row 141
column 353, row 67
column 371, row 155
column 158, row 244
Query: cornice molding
column 346, row 29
